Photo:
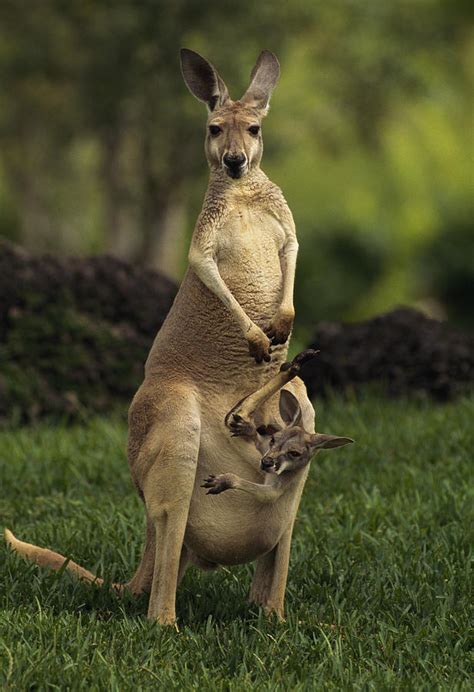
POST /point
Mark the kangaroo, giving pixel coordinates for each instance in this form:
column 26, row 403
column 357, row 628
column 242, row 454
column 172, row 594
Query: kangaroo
column 225, row 335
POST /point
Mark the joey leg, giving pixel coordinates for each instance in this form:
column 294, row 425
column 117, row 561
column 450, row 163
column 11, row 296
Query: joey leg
column 239, row 418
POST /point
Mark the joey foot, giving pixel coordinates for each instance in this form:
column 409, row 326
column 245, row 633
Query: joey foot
column 293, row 367
column 259, row 344
column 217, row 484
column 280, row 327
column 238, row 426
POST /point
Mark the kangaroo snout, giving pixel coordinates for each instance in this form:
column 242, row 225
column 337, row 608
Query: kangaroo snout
column 234, row 164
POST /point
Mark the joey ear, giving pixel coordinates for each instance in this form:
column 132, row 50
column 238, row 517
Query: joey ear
column 202, row 79
column 322, row 441
column 290, row 409
column 264, row 77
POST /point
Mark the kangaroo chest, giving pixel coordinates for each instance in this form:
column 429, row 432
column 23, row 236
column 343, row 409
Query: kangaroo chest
column 248, row 256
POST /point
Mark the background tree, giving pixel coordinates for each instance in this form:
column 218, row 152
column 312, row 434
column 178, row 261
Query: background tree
column 369, row 136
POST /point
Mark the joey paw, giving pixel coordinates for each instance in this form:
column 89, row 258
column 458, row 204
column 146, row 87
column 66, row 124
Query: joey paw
column 217, row 484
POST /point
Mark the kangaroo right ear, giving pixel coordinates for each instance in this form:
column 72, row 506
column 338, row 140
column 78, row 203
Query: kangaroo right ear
column 202, row 79
column 322, row 441
column 263, row 79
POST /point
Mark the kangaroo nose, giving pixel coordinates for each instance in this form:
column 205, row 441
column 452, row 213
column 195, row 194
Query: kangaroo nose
column 234, row 160
column 267, row 463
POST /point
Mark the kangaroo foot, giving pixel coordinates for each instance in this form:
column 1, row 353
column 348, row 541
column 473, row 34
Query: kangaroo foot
column 292, row 368
column 239, row 426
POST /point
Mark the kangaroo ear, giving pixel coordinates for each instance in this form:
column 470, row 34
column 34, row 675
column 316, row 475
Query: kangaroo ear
column 263, row 78
column 202, row 79
column 322, row 441
column 290, row 409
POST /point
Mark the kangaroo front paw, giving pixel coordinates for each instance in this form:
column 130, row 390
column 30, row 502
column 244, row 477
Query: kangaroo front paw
column 280, row 327
column 217, row 484
column 259, row 344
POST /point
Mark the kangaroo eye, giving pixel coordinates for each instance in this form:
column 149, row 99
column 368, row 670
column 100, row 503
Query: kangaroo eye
column 215, row 130
column 294, row 454
column 254, row 130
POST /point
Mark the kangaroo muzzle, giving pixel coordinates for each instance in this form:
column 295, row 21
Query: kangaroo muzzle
column 234, row 164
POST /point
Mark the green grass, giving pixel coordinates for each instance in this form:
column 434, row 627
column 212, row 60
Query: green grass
column 378, row 595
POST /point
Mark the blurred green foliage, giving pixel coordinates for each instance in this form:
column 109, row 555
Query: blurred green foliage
column 369, row 135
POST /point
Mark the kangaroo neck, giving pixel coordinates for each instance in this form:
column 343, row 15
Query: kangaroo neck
column 246, row 187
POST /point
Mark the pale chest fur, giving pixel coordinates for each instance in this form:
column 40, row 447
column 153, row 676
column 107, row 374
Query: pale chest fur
column 248, row 257
column 247, row 243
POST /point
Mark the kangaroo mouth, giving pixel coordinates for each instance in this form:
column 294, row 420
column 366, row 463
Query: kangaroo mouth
column 273, row 468
column 236, row 172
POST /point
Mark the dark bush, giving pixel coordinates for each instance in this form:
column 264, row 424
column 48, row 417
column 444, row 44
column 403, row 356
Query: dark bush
column 403, row 351
column 74, row 333
column 446, row 268
column 336, row 266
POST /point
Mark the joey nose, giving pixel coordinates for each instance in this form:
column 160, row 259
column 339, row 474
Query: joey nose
column 267, row 463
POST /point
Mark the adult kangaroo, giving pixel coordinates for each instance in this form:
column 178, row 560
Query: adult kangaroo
column 225, row 337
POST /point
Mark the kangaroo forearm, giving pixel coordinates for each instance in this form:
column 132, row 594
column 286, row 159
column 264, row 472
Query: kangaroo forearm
column 206, row 270
column 289, row 256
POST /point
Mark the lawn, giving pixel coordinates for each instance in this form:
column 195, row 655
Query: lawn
column 380, row 576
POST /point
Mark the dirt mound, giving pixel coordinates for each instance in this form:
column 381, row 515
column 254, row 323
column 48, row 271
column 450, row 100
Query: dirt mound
column 403, row 350
column 74, row 333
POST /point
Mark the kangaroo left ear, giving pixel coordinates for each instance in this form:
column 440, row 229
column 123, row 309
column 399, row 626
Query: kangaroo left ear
column 322, row 441
column 290, row 410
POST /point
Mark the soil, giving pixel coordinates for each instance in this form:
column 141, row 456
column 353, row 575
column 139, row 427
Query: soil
column 404, row 352
column 74, row 333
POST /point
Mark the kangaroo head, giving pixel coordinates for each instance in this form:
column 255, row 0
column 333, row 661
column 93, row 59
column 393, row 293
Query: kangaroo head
column 233, row 142
column 291, row 448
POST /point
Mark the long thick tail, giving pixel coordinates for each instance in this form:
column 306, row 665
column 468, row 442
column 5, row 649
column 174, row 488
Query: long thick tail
column 52, row 560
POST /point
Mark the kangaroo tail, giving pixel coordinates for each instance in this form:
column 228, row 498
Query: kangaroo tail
column 48, row 558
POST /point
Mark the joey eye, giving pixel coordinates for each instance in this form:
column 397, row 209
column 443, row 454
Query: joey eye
column 294, row 454
column 254, row 130
column 215, row 130
column 272, row 441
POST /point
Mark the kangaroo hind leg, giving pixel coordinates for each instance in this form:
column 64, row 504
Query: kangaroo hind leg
column 167, row 489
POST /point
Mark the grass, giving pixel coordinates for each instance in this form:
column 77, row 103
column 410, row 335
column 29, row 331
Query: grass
column 379, row 585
